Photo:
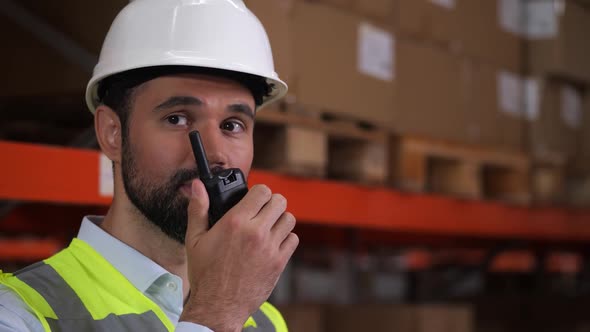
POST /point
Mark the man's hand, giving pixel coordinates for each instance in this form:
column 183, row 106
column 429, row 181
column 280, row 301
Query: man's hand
column 234, row 266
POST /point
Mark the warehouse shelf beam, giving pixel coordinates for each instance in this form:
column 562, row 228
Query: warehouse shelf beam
column 37, row 173
column 86, row 139
column 28, row 249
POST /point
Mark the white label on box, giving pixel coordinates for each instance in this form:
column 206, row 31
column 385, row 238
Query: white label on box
column 532, row 98
column 541, row 20
column 571, row 107
column 105, row 181
column 375, row 52
column 449, row 4
column 509, row 93
column 511, row 16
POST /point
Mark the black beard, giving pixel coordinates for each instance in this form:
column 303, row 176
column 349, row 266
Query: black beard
column 162, row 204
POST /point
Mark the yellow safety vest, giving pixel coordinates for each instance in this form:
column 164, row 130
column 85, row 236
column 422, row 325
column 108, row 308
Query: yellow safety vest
column 78, row 290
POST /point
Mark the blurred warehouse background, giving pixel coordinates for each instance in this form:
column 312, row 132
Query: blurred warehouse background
column 435, row 152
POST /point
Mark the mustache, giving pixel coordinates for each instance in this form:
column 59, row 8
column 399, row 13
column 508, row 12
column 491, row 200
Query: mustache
column 182, row 176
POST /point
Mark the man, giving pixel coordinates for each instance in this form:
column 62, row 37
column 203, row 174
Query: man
column 169, row 67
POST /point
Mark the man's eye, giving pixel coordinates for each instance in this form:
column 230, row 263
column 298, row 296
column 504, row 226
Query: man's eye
column 233, row 126
column 177, row 120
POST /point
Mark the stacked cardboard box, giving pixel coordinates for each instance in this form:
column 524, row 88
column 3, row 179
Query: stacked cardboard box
column 557, row 88
column 481, row 39
column 405, row 65
column 494, row 105
column 506, row 74
column 554, row 109
column 331, row 58
column 422, row 67
column 427, row 20
column 556, row 33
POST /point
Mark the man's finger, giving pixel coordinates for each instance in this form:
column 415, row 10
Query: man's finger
column 281, row 229
column 272, row 211
column 253, row 202
column 198, row 211
column 288, row 246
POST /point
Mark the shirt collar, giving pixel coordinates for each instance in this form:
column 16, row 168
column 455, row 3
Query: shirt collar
column 141, row 271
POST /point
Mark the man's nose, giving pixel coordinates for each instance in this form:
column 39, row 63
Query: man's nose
column 213, row 143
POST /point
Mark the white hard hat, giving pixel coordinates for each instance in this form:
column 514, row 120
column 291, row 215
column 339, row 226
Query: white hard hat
column 216, row 34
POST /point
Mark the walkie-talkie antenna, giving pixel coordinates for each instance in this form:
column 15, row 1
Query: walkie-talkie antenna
column 200, row 156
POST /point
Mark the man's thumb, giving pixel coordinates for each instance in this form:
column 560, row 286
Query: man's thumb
column 198, row 210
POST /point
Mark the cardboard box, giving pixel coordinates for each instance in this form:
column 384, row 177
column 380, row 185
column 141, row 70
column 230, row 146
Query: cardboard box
column 338, row 4
column 332, row 59
column 480, row 101
column 555, row 117
column 275, row 16
column 361, row 70
column 418, row 91
column 494, row 105
column 342, row 63
column 381, row 10
column 428, row 93
column 489, row 31
column 429, row 20
column 556, row 39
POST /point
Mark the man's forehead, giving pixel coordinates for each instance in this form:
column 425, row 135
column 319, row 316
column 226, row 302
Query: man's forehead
column 197, row 79
column 195, row 84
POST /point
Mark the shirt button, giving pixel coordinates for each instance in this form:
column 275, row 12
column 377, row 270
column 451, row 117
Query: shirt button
column 172, row 286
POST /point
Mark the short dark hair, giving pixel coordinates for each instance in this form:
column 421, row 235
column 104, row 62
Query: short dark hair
column 116, row 91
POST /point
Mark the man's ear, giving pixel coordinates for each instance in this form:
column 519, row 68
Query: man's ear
column 107, row 126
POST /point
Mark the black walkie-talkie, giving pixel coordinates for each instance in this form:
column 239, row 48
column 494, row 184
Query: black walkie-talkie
column 225, row 188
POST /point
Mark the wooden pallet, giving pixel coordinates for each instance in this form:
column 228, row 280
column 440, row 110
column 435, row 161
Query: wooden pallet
column 578, row 191
column 548, row 178
column 302, row 141
column 286, row 147
column 427, row 165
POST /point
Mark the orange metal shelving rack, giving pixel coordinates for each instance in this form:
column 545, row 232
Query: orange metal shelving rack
column 36, row 173
column 58, row 176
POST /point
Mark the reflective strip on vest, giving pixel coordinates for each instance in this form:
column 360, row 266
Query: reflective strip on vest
column 274, row 316
column 263, row 323
column 71, row 313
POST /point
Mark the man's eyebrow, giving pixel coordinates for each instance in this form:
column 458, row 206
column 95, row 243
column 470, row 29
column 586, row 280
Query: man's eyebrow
column 241, row 108
column 179, row 101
